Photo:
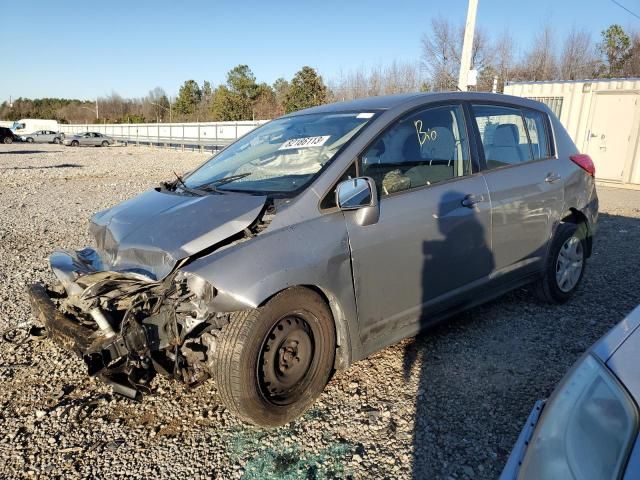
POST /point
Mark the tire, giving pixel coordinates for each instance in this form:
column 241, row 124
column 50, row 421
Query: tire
column 56, row 141
column 8, row 140
column 29, row 140
column 105, row 144
column 75, row 143
column 566, row 254
column 272, row 363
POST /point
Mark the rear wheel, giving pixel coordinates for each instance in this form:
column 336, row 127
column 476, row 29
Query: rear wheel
column 274, row 361
column 8, row 140
column 565, row 264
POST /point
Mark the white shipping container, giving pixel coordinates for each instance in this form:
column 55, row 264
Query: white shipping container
column 602, row 117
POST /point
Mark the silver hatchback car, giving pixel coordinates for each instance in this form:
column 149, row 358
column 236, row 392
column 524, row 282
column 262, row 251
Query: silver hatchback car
column 320, row 238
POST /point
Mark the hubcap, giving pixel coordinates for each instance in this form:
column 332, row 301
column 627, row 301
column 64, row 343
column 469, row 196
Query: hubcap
column 285, row 359
column 569, row 264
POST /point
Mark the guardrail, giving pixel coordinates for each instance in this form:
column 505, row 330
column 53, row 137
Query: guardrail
column 201, row 135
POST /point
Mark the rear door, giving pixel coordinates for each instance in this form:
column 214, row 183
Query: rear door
column 524, row 181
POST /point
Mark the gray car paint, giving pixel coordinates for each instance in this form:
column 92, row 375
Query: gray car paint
column 619, row 350
column 88, row 139
column 305, row 245
column 155, row 230
column 44, row 136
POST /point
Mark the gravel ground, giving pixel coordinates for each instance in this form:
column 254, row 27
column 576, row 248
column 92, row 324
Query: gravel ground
column 448, row 404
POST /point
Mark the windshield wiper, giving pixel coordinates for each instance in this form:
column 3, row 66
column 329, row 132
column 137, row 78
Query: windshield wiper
column 212, row 186
column 179, row 181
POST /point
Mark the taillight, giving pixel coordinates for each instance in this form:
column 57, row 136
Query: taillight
column 584, row 162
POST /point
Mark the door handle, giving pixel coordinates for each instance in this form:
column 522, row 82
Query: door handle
column 471, row 200
column 552, row 177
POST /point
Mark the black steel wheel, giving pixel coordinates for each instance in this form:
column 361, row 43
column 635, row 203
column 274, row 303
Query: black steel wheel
column 273, row 362
column 285, row 360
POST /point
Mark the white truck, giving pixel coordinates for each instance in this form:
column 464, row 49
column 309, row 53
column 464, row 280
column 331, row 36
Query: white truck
column 27, row 126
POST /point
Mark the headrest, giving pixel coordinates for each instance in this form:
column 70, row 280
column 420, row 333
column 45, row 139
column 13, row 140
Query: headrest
column 506, row 135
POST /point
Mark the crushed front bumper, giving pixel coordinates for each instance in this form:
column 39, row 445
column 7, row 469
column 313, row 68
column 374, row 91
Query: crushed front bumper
column 68, row 334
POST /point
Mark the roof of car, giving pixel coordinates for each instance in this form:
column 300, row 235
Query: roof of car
column 387, row 102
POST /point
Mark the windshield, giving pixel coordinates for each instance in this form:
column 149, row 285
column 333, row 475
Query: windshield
column 281, row 156
column 18, row 126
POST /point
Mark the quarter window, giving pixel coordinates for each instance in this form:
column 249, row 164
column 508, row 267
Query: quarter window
column 503, row 134
column 424, row 148
column 536, row 126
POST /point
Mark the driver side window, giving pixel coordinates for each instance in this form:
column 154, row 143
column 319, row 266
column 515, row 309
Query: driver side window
column 423, row 148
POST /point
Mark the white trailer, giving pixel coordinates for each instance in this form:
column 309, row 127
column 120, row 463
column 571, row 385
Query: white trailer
column 603, row 118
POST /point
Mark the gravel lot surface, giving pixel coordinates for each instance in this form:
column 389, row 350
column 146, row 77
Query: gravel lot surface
column 449, row 404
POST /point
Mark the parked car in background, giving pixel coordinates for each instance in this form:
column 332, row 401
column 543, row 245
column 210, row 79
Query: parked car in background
column 321, row 237
column 588, row 429
column 43, row 136
column 7, row 136
column 94, row 139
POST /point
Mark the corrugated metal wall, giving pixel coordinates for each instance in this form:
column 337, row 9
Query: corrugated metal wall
column 576, row 104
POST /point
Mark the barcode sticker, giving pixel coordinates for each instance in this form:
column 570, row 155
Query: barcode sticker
column 304, row 142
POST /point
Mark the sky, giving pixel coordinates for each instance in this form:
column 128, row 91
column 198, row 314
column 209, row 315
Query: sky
column 81, row 49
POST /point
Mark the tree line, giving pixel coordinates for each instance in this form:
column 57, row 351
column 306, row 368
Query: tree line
column 573, row 56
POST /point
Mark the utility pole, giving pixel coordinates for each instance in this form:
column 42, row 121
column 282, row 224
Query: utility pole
column 467, row 46
column 97, row 115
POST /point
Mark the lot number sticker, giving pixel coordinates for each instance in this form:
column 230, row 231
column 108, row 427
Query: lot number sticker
column 304, row 142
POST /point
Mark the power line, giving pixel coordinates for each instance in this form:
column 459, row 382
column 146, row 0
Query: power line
column 625, row 8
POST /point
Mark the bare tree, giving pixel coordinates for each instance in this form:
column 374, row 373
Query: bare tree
column 439, row 55
column 539, row 63
column 442, row 50
column 397, row 77
column 504, row 58
column 578, row 58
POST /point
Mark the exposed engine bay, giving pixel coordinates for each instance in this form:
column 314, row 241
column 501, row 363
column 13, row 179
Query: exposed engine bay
column 128, row 325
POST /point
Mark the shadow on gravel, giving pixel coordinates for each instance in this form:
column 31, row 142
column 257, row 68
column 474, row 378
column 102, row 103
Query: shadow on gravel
column 27, row 152
column 36, row 167
column 481, row 371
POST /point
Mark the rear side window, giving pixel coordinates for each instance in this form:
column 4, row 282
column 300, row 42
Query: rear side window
column 504, row 136
column 538, row 134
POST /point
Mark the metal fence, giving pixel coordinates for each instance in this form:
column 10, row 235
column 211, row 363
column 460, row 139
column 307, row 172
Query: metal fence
column 209, row 135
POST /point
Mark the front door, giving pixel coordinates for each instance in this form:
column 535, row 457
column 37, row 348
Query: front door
column 610, row 140
column 432, row 237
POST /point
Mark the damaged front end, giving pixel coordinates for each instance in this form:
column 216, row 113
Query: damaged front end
column 126, row 307
column 128, row 326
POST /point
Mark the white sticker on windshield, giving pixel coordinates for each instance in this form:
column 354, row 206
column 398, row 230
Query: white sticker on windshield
column 304, row 142
column 364, row 115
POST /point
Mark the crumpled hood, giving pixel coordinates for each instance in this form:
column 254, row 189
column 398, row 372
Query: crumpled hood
column 150, row 233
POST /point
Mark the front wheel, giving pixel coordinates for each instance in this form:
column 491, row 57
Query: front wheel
column 565, row 264
column 75, row 143
column 29, row 140
column 105, row 144
column 56, row 141
column 273, row 362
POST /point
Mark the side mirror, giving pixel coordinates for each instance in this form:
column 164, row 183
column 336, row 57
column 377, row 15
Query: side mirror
column 359, row 194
